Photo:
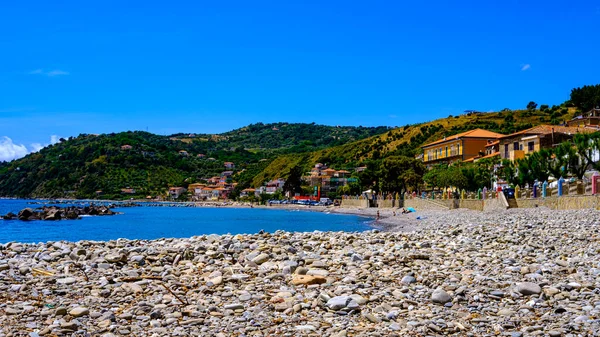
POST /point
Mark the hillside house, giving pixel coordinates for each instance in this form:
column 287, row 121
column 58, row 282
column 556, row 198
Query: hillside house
column 213, row 180
column 519, row 144
column 207, row 193
column 176, row 192
column 247, row 192
column 126, row 147
column 260, row 190
column 274, row 186
column 459, row 147
column 229, row 165
column 492, row 147
column 128, row 190
column 196, row 190
column 588, row 119
column 201, row 155
column 183, row 153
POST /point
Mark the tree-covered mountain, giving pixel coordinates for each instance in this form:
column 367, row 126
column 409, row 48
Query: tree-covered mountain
column 280, row 137
column 91, row 166
column 407, row 140
column 148, row 164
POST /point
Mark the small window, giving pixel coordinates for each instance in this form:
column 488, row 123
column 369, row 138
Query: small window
column 530, row 146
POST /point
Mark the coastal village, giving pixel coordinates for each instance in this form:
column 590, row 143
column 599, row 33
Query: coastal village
column 300, row 169
column 466, row 147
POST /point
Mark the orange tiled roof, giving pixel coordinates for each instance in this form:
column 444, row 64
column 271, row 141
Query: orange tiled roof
column 477, row 133
column 546, row 129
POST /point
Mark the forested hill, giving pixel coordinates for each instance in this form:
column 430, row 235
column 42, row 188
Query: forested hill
column 147, row 164
column 407, row 140
column 284, row 137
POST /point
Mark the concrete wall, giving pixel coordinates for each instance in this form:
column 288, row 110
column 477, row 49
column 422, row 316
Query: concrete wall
column 389, row 203
column 562, row 203
column 477, row 205
column 494, row 205
column 362, row 203
column 425, row 204
column 559, row 203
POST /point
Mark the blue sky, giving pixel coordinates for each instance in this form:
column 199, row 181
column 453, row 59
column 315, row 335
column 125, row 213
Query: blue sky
column 71, row 67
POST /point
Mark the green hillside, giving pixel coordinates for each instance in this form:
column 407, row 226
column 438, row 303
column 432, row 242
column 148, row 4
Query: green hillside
column 280, row 137
column 408, row 140
column 147, row 164
column 82, row 166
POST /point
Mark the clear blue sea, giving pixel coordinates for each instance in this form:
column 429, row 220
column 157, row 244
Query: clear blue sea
column 162, row 222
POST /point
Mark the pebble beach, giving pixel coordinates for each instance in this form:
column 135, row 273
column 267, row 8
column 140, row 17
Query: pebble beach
column 519, row 272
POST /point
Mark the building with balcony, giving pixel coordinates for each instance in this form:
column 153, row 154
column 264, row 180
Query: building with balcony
column 588, row 119
column 459, row 147
column 518, row 145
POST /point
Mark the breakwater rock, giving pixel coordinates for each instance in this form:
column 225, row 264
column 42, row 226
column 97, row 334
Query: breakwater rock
column 514, row 273
column 58, row 213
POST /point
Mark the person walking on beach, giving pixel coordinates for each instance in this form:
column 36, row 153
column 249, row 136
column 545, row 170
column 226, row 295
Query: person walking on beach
column 377, row 215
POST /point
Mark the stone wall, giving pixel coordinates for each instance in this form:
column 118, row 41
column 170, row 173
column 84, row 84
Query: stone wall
column 361, row 203
column 426, row 204
column 474, row 204
column 494, row 205
column 488, row 205
column 562, row 203
column 386, row 203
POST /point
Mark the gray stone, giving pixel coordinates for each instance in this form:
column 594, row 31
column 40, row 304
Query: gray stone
column 528, row 288
column 408, row 279
column 261, row 258
column 79, row 311
column 67, row 280
column 440, row 296
column 338, row 302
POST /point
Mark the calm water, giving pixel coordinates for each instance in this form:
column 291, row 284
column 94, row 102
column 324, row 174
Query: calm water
column 160, row 222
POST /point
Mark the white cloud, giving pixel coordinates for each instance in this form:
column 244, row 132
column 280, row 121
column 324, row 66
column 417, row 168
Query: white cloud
column 10, row 151
column 525, row 67
column 57, row 73
column 35, row 147
column 51, row 73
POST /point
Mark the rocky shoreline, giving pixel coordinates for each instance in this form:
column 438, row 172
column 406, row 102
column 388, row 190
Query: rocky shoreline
column 522, row 272
column 58, row 213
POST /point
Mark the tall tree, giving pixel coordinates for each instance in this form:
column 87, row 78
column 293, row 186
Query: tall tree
column 586, row 97
column 293, row 183
column 399, row 173
column 531, row 106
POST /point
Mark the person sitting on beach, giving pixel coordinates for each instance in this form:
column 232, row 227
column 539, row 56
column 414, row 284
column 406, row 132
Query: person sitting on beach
column 404, row 211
